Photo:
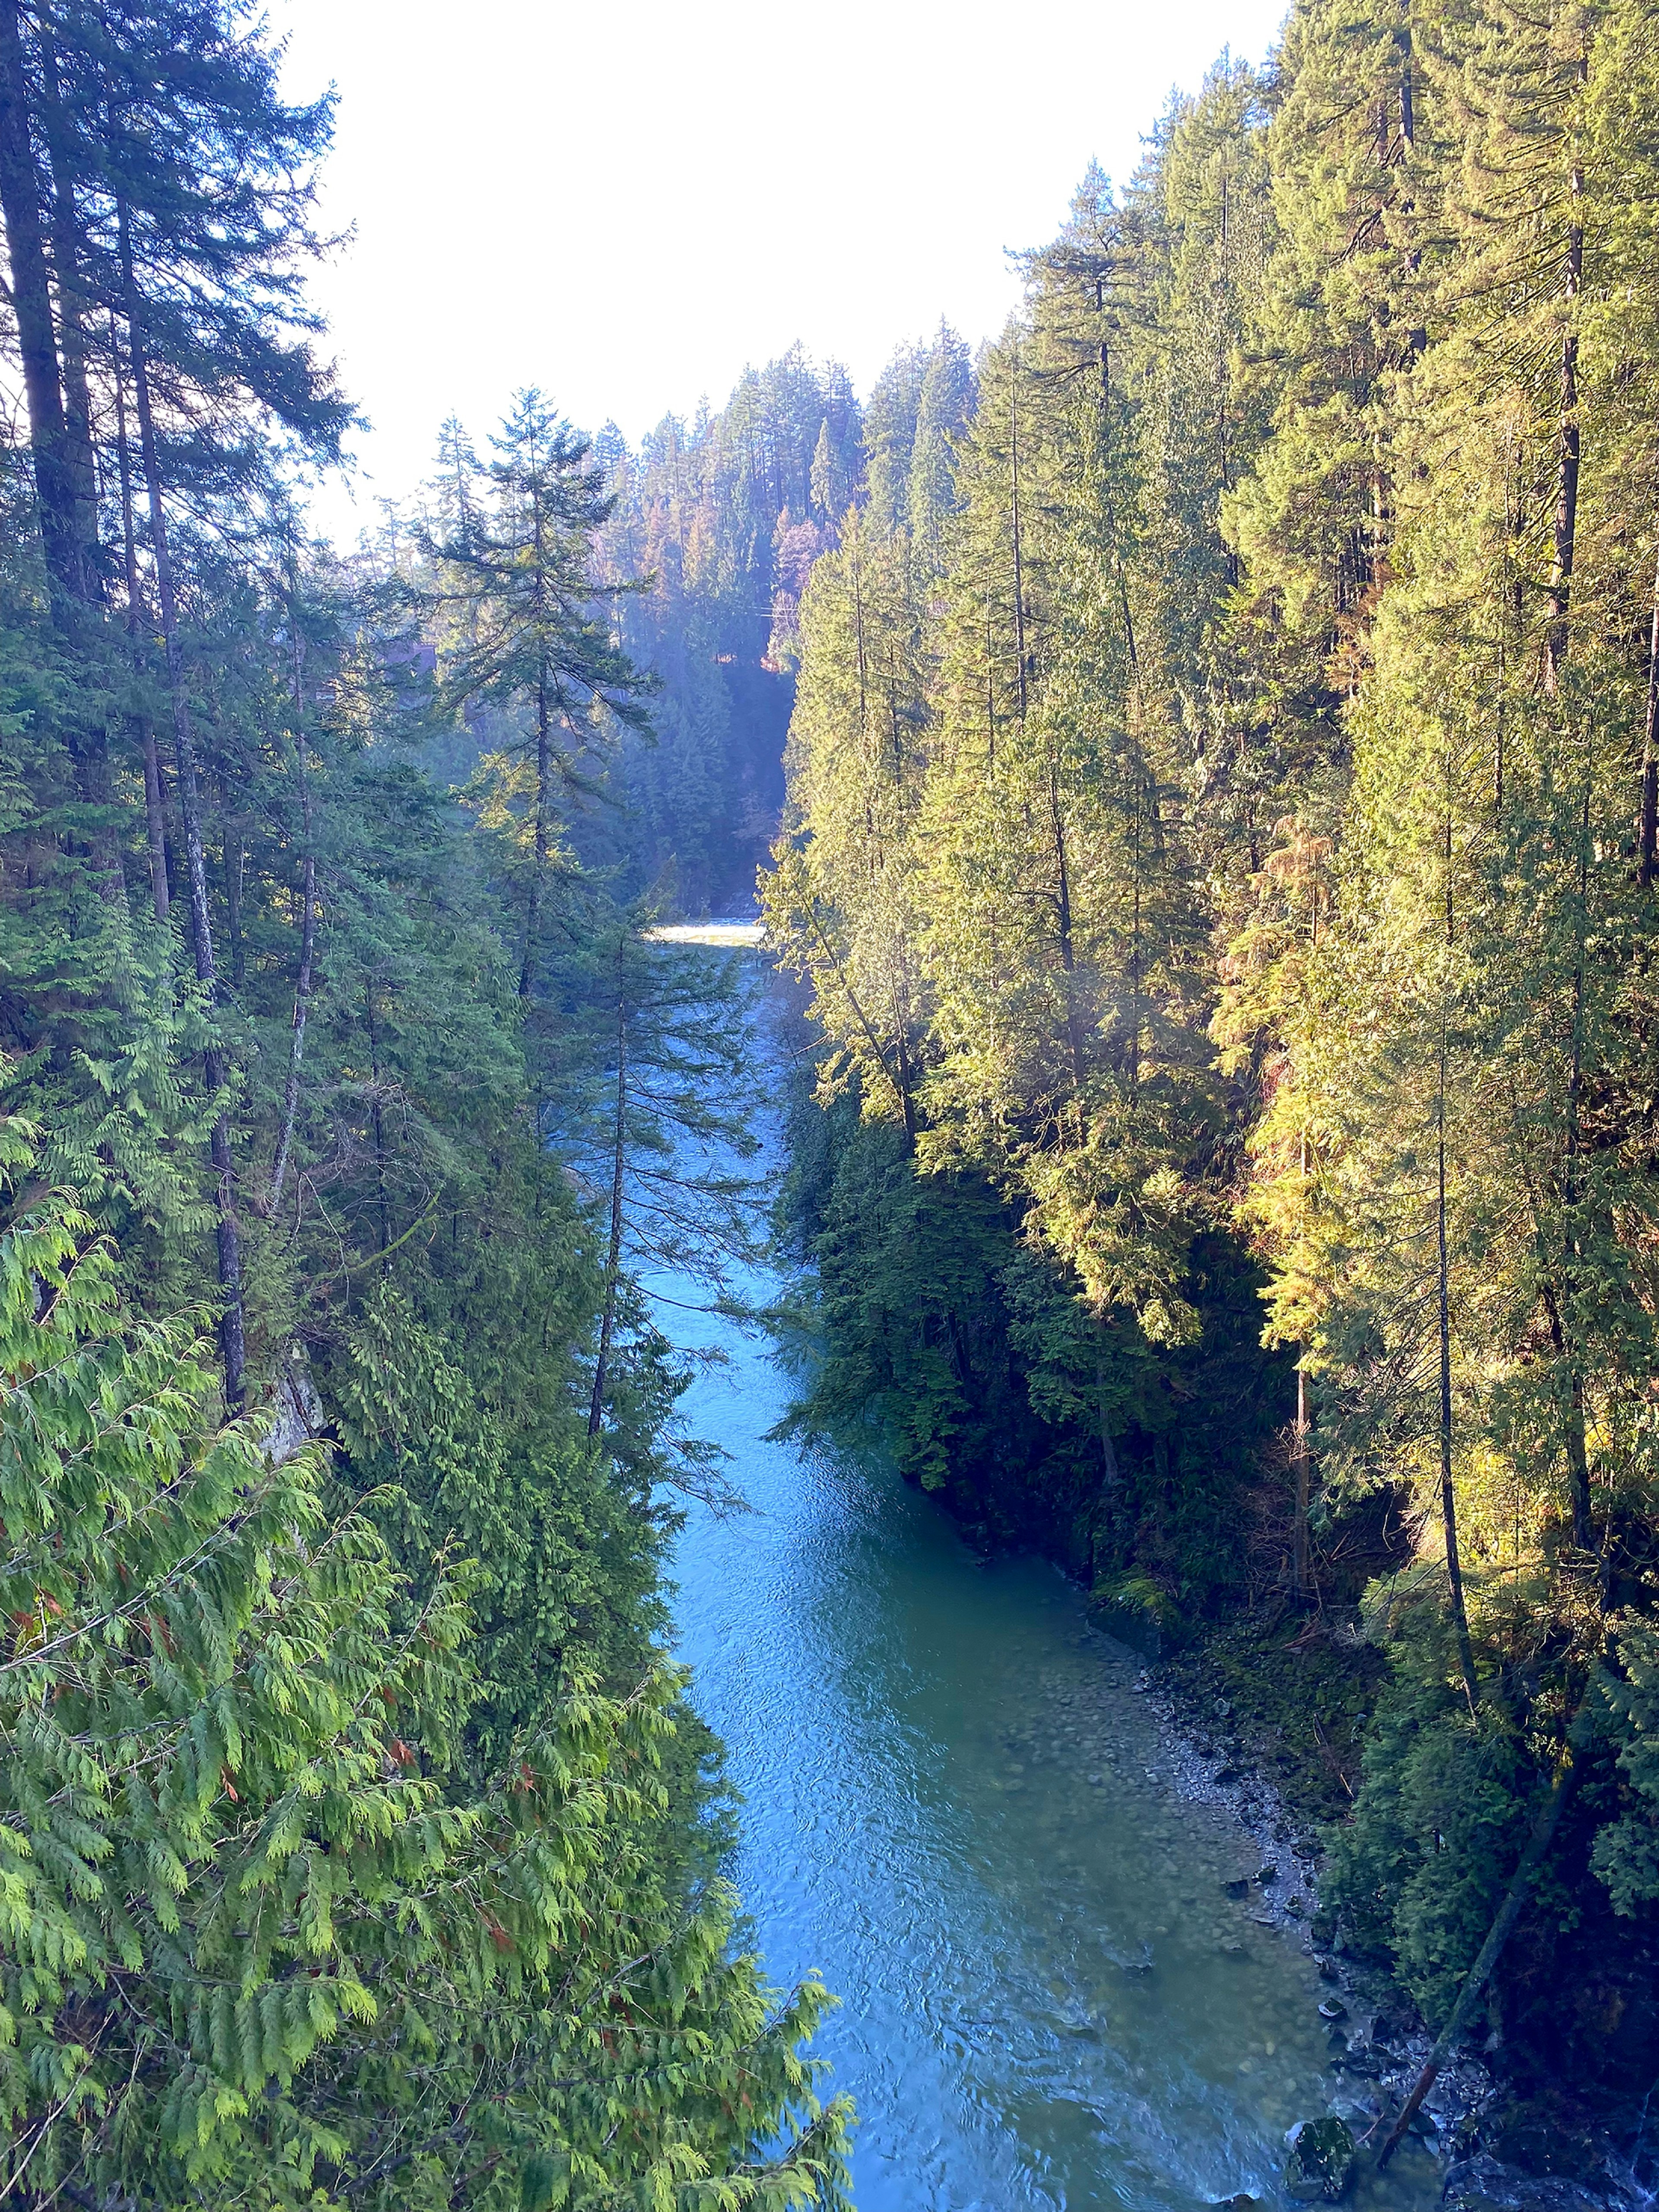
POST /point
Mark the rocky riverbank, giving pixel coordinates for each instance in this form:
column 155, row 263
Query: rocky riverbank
column 1497, row 2153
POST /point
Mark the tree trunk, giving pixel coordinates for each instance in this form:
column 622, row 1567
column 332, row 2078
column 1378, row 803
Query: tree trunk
column 897, row 1077
column 155, row 804
column 232, row 1342
column 990, row 706
column 1134, row 954
column 1503, row 1927
column 232, row 852
column 1448, row 1486
column 377, row 1123
column 1301, row 1576
column 1566, row 481
column 1110, row 1474
column 1561, row 1316
column 1303, row 1473
column 543, row 770
column 1067, row 958
column 72, row 342
column 1649, row 817
column 308, row 938
column 31, row 300
column 1020, row 562
column 619, row 1160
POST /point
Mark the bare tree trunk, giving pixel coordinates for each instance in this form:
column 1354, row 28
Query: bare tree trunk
column 62, row 444
column 619, row 1160
column 31, row 302
column 231, row 1341
column 77, row 399
column 155, row 804
column 307, row 935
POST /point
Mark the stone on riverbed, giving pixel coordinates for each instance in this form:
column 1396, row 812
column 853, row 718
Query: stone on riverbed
column 1323, row 2156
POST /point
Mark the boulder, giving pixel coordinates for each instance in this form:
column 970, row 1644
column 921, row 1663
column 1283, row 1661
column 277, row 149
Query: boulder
column 1322, row 2161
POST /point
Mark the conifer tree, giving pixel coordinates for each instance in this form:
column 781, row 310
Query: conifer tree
column 528, row 633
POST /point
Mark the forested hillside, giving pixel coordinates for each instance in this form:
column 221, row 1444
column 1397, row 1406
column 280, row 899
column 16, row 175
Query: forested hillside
column 1215, row 732
column 1221, row 846
column 356, row 1842
column 726, row 516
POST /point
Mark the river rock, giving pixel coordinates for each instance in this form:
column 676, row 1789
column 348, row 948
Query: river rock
column 1323, row 2157
column 1484, row 2184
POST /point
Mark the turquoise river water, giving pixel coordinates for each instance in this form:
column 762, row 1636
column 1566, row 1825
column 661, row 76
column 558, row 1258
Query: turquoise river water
column 954, row 1809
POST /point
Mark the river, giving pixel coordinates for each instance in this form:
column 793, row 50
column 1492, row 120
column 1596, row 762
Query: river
column 954, row 1810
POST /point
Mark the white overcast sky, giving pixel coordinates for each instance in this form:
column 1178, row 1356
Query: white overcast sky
column 626, row 205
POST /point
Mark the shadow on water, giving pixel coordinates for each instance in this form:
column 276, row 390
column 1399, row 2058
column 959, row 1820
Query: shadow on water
column 1047, row 1997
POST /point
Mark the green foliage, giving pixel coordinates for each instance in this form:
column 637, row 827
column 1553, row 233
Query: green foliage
column 1220, row 850
column 1627, row 1848
column 257, row 1931
column 1439, row 1820
column 995, row 1386
column 358, row 1845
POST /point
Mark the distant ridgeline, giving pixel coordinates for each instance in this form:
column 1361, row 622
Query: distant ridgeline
column 1221, row 848
column 727, row 514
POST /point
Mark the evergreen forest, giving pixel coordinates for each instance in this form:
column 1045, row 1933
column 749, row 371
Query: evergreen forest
column 1196, row 754
column 1221, row 845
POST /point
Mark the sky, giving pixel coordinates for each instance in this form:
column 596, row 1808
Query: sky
column 626, row 205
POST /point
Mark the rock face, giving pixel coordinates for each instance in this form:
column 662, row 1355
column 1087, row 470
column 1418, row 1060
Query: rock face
column 1321, row 2167
column 296, row 1415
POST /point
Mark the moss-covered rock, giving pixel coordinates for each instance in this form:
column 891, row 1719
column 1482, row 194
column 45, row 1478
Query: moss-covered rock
column 1323, row 2157
column 1140, row 1613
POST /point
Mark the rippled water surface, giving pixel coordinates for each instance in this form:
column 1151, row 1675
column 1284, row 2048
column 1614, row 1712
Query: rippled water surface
column 1047, row 1999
